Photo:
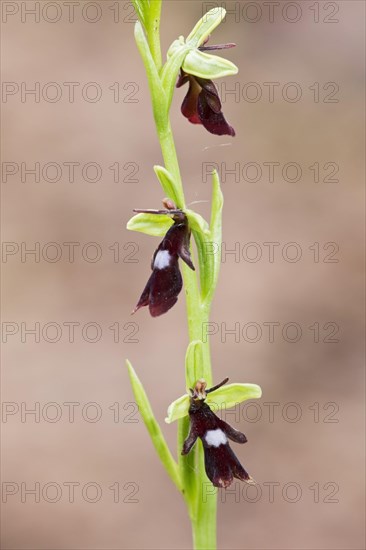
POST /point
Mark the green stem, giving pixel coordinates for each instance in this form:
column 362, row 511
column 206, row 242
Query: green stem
column 204, row 526
column 198, row 494
column 153, row 31
column 200, row 499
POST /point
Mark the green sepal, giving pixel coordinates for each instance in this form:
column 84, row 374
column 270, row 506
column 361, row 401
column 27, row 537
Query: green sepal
column 151, row 224
column 153, row 427
column 233, row 394
column 208, row 66
column 175, row 57
column 193, row 363
column 178, row 409
column 205, row 26
column 167, row 182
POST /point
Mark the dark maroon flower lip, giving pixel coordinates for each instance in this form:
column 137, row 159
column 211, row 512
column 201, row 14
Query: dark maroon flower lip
column 165, row 282
column 202, row 105
column 221, row 464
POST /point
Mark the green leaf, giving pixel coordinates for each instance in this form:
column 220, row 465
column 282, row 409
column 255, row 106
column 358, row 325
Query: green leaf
column 167, row 182
column 194, row 362
column 153, row 427
column 233, row 394
column 205, row 26
column 208, row 66
column 151, row 224
column 178, row 409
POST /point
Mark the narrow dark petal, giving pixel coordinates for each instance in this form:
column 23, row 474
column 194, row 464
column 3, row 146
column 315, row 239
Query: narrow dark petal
column 184, row 252
column 215, row 123
column 232, row 434
column 189, row 105
column 212, row 95
column 190, row 441
column 153, row 211
column 183, row 78
column 214, row 388
column 217, row 47
column 185, row 255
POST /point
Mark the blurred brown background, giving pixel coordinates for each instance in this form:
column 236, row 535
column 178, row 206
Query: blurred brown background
column 306, row 434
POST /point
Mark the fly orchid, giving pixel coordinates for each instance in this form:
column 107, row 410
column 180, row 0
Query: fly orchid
column 221, row 464
column 165, row 282
column 202, row 104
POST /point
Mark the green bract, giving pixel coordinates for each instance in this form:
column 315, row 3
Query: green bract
column 153, row 427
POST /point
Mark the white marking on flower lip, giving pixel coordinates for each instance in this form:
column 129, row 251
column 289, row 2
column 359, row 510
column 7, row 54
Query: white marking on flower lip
column 162, row 259
column 215, row 438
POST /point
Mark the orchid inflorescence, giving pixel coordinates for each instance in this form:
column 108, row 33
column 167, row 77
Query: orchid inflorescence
column 188, row 62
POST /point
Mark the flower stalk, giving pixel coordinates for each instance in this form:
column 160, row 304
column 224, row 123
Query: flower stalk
column 192, row 470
